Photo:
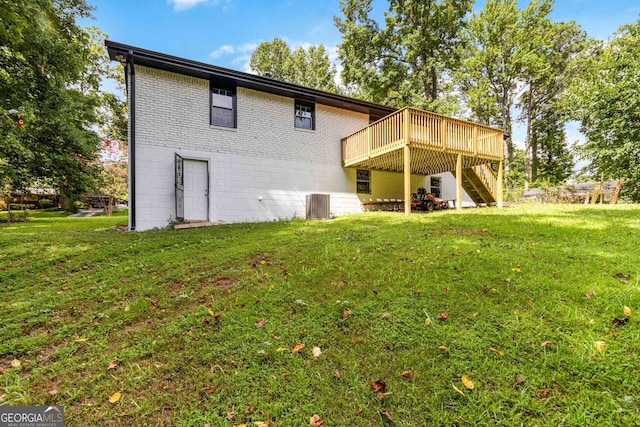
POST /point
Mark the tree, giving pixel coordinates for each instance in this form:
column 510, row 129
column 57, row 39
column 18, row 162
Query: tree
column 113, row 179
column 410, row 60
column 307, row 67
column 494, row 64
column 607, row 104
column 46, row 75
column 555, row 59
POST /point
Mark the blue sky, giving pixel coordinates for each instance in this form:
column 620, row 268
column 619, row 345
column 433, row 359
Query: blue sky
column 225, row 32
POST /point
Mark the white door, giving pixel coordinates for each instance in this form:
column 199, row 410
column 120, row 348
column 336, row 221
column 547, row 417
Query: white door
column 196, row 190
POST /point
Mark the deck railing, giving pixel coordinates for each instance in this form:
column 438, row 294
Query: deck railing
column 488, row 177
column 425, row 130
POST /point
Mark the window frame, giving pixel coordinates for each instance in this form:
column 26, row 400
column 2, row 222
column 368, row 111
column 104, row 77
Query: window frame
column 215, row 85
column 306, row 104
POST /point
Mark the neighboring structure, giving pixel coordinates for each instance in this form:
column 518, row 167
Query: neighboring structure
column 211, row 144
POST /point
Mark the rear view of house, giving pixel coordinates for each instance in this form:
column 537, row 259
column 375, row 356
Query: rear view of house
column 212, row 144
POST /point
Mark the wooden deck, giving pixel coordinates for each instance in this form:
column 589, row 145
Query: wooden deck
column 413, row 141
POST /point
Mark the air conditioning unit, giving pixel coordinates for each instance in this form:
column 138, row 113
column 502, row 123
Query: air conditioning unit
column 318, row 206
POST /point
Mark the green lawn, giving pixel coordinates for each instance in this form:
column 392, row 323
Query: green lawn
column 198, row 326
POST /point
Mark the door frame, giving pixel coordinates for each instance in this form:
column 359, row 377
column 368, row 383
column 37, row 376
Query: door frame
column 179, row 184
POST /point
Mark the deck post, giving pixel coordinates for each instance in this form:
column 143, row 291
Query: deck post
column 499, row 187
column 407, row 163
column 459, row 182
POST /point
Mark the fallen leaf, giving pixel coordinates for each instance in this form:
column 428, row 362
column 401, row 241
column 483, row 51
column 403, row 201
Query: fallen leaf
column 211, row 313
column 446, row 289
column 382, row 395
column 385, row 415
column 316, row 352
column 379, row 386
column 427, row 321
column 297, row 348
column 516, row 269
column 544, row 392
column 600, row 345
column 250, row 410
column 346, row 313
column 15, row 363
column 443, row 348
column 263, row 262
column 466, row 380
column 458, row 390
column 315, row 421
column 528, row 303
column 207, row 425
column 115, row 397
column 496, row 352
column 337, row 374
column 385, row 315
column 485, row 288
column 627, row 311
column 81, row 340
column 443, row 315
column 259, row 323
column 519, row 380
column 113, row 364
column 589, row 294
column 546, row 343
column 405, row 374
column 239, row 425
column 209, row 389
column 53, row 392
column 262, row 423
column 358, row 411
column 356, row 340
column 230, row 415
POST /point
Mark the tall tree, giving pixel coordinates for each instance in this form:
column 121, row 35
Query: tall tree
column 410, row 60
column 307, row 67
column 607, row 104
column 555, row 59
column 494, row 64
column 45, row 74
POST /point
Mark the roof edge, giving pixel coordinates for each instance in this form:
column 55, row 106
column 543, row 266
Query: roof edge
column 122, row 52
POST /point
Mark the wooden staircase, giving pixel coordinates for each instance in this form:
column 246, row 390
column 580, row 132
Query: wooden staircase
column 480, row 183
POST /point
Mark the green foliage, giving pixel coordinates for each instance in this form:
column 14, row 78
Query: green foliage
column 606, row 103
column 307, row 67
column 178, row 311
column 48, row 75
column 410, row 59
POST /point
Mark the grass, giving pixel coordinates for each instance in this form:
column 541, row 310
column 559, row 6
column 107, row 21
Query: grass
column 181, row 312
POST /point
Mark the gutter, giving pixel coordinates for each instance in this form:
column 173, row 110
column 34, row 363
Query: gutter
column 130, row 83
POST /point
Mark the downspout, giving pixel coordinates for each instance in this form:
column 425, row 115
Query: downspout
column 132, row 142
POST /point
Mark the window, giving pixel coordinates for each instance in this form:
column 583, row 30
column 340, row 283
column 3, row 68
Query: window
column 223, row 106
column 363, row 181
column 305, row 115
column 436, row 186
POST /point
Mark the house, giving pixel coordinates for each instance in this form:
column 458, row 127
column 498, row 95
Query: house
column 212, row 144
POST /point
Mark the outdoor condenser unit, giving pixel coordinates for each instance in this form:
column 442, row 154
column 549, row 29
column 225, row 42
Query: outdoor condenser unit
column 318, row 206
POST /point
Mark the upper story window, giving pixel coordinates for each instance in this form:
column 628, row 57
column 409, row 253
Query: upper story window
column 305, row 115
column 223, row 106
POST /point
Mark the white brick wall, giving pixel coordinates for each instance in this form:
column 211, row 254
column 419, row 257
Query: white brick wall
column 264, row 157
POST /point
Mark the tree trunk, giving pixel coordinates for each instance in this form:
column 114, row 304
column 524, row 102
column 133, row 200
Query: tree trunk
column 527, row 142
column 110, row 206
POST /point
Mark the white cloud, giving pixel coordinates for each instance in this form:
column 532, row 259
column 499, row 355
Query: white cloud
column 179, row 5
column 226, row 49
column 185, row 4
